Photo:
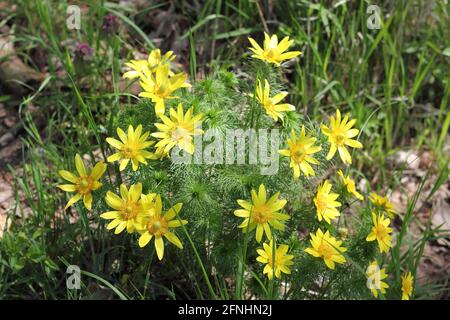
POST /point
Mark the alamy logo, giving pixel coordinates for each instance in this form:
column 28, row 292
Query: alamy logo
column 229, row 147
column 374, row 20
column 74, row 279
column 73, row 21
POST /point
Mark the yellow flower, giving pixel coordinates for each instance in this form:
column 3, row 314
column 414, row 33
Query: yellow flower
column 159, row 86
column 407, row 285
column 271, row 105
column 158, row 224
column 154, row 60
column 300, row 152
column 177, row 130
column 326, row 203
column 262, row 213
column 273, row 51
column 383, row 204
column 324, row 246
column 350, row 184
column 282, row 260
column 131, row 147
column 127, row 208
column 381, row 232
column 84, row 183
column 339, row 136
column 375, row 277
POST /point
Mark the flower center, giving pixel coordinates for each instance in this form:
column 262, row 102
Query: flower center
column 130, row 211
column 339, row 138
column 84, row 185
column 269, row 106
column 162, row 90
column 407, row 286
column 179, row 133
column 321, row 202
column 326, row 250
column 271, row 53
column 261, row 214
column 157, row 225
column 129, row 151
column 299, row 154
column 381, row 231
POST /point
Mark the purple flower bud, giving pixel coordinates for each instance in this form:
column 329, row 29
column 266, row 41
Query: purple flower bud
column 110, row 24
column 83, row 51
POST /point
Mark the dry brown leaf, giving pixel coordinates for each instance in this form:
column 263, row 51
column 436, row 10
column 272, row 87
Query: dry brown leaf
column 13, row 71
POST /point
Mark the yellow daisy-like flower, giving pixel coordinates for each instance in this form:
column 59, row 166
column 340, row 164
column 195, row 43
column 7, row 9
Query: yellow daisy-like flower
column 375, row 277
column 131, row 147
column 273, row 109
column 262, row 213
column 350, row 184
column 84, row 183
column 339, row 135
column 326, row 203
column 282, row 259
column 383, row 204
column 407, row 285
column 157, row 225
column 326, row 247
column 273, row 51
column 154, row 60
column 159, row 86
column 127, row 208
column 177, row 130
column 300, row 152
column 381, row 232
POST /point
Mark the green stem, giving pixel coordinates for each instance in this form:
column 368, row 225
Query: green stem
column 199, row 260
column 147, row 276
column 241, row 269
column 272, row 281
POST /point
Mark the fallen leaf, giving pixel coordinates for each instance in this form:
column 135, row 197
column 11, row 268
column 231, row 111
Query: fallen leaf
column 13, row 72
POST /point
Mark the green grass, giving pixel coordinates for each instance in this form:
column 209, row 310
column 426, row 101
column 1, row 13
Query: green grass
column 394, row 80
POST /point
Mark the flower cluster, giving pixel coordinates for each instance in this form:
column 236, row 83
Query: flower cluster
column 142, row 213
column 263, row 214
column 156, row 78
column 131, row 209
column 381, row 232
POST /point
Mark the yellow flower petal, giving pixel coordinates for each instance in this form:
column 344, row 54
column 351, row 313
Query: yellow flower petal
column 87, row 200
column 98, row 170
column 144, row 239
column 72, row 200
column 173, row 239
column 80, row 166
column 159, row 246
column 66, row 175
column 122, row 225
column 68, row 187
